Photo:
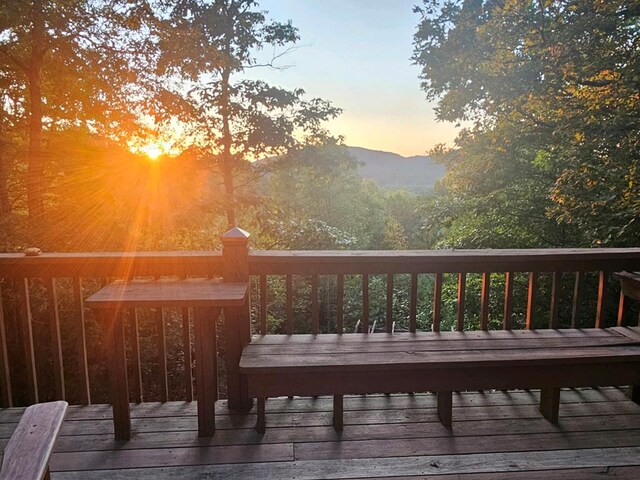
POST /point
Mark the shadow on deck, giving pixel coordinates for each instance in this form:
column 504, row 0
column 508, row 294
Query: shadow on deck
column 495, row 435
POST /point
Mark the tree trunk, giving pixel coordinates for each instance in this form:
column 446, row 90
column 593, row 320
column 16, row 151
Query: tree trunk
column 5, row 204
column 35, row 170
column 227, row 159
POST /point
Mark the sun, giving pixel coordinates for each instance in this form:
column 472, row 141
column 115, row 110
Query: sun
column 152, row 150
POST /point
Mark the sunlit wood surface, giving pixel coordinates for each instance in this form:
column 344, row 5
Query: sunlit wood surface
column 496, row 435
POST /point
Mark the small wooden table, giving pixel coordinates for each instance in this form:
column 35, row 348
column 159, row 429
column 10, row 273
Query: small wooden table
column 207, row 297
column 630, row 283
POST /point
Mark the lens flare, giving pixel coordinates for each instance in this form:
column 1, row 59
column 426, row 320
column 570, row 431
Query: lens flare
column 152, row 150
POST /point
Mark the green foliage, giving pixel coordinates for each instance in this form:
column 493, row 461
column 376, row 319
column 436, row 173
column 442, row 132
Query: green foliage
column 317, row 200
column 234, row 120
column 68, row 65
column 552, row 90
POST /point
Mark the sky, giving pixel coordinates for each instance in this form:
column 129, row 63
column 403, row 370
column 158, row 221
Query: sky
column 356, row 54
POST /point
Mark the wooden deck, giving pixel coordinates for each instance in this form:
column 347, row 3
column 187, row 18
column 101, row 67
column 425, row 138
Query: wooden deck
column 495, row 436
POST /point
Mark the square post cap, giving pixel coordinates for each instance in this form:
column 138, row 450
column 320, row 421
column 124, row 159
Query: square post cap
column 235, row 235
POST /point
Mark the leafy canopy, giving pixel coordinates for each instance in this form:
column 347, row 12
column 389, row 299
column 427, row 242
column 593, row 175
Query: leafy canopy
column 552, row 90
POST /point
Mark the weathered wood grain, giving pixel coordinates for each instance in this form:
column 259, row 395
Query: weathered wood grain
column 496, row 435
column 462, row 287
column 508, row 301
column 603, row 279
column 170, row 293
column 6, row 395
column 81, row 342
column 26, row 329
column 304, row 262
column 171, row 457
column 424, row 465
column 55, row 337
column 26, row 455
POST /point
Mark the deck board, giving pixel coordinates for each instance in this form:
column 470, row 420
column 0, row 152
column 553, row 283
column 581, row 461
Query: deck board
column 497, row 435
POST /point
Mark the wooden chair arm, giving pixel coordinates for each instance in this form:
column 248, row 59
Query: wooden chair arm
column 26, row 455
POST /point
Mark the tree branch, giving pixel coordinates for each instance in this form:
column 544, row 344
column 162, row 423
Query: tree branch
column 275, row 57
column 14, row 59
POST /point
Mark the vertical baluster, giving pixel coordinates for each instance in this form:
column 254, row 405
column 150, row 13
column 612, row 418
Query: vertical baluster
column 365, row 303
column 531, row 299
column 27, row 342
column 484, row 301
column 315, row 313
column 56, row 345
column 5, row 374
column 577, row 299
column 290, row 304
column 338, row 399
column 602, row 290
column 263, row 304
column 508, row 301
column 413, row 303
column 462, row 288
column 620, row 321
column 555, row 295
column 340, row 304
column 78, row 319
column 389, row 320
column 136, row 367
column 162, row 354
column 188, row 360
column 437, row 302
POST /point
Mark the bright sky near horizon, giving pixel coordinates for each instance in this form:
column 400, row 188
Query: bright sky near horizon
column 356, row 54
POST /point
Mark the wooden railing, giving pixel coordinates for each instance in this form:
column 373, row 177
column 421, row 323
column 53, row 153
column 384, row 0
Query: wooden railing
column 556, row 263
column 45, row 328
column 43, row 278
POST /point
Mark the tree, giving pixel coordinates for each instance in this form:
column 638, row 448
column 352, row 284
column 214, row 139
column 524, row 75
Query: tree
column 74, row 60
column 235, row 120
column 552, row 89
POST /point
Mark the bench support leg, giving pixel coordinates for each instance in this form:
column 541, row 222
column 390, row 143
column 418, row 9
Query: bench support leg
column 338, row 412
column 445, row 407
column 550, row 403
column 635, row 394
column 261, row 423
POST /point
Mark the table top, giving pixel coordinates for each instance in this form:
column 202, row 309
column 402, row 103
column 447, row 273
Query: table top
column 170, row 293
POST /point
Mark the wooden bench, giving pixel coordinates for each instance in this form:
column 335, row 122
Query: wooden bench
column 285, row 365
column 26, row 455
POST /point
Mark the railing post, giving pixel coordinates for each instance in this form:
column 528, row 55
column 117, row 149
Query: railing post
column 235, row 268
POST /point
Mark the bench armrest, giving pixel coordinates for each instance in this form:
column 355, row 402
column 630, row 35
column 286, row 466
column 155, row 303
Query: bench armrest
column 26, row 455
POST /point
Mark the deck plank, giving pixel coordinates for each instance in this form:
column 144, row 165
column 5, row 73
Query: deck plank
column 497, row 435
column 168, row 457
column 352, row 402
column 356, row 432
column 426, row 465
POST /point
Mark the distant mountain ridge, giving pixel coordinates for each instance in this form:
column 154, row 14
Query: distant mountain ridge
column 391, row 171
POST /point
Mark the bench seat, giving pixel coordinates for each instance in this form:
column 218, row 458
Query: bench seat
column 279, row 365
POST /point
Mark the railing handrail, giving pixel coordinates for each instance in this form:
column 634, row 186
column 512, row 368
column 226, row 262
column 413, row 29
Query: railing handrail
column 266, row 262
column 275, row 262
column 111, row 264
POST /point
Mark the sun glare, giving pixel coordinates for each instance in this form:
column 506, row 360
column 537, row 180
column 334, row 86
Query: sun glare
column 152, row 150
